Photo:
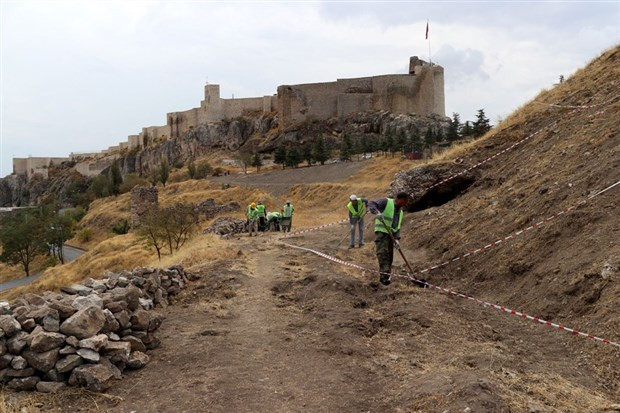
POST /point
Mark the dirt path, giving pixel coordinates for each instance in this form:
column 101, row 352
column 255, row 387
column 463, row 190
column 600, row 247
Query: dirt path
column 280, row 330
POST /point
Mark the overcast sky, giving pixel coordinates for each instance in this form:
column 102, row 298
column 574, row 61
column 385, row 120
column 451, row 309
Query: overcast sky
column 81, row 76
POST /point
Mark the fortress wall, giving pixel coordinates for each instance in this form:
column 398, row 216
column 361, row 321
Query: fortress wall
column 232, row 108
column 348, row 103
column 93, row 168
column 20, row 166
column 133, row 141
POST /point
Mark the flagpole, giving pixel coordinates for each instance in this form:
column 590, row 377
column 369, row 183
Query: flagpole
column 428, row 37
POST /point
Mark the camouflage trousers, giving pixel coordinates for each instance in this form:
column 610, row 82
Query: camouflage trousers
column 385, row 252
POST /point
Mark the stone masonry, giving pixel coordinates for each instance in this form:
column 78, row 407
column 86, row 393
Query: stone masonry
column 142, row 200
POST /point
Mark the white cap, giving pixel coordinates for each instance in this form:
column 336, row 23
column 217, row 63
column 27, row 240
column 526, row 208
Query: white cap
column 288, row 202
column 353, row 198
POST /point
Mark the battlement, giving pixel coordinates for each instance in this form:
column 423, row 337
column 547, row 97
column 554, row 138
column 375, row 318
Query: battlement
column 32, row 166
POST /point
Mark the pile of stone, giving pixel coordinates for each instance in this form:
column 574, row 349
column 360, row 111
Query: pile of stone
column 210, row 209
column 87, row 334
column 227, row 227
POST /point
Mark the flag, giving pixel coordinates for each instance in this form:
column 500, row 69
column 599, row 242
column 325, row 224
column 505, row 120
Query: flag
column 427, row 30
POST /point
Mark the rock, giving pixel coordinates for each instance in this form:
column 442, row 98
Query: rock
column 116, row 306
column 94, row 343
column 137, row 360
column 5, row 308
column 73, row 341
column 9, row 325
column 146, row 304
column 77, row 289
column 51, row 323
column 155, row 322
column 35, row 300
column 42, row 341
column 111, row 323
column 64, row 308
column 50, row 386
column 123, row 282
column 225, row 227
column 67, row 350
column 138, row 281
column 96, row 285
column 28, row 324
column 42, row 361
column 28, row 371
column 3, row 348
column 39, row 313
column 89, row 355
column 117, row 351
column 123, row 318
column 130, row 295
column 95, row 377
column 84, row 302
column 140, row 320
column 113, row 336
column 26, row 383
column 85, row 323
column 135, row 343
column 19, row 363
column 54, row 375
column 68, row 363
column 17, row 343
column 5, row 360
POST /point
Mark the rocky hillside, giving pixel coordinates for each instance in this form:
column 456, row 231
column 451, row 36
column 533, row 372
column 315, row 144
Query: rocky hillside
column 259, row 134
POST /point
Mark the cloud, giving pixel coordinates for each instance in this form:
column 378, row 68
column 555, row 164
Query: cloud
column 81, row 76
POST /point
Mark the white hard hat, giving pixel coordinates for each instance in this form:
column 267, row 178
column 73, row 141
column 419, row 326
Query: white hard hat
column 288, row 202
column 353, row 197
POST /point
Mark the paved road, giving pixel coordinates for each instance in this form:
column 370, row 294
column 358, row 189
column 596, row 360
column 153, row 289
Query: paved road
column 70, row 254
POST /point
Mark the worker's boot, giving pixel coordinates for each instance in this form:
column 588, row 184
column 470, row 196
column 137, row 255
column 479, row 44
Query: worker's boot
column 385, row 279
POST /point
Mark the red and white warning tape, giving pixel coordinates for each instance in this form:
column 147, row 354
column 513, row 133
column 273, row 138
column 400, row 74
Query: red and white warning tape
column 474, row 252
column 461, row 295
column 595, row 105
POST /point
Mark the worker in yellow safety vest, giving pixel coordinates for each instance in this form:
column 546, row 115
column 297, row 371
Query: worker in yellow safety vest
column 357, row 210
column 252, row 214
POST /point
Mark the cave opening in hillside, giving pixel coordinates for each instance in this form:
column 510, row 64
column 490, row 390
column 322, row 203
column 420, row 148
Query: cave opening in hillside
column 442, row 194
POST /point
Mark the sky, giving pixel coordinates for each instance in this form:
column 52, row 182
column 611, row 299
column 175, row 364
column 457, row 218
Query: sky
column 80, row 76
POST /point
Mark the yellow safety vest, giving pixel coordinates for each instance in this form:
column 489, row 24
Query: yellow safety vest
column 388, row 216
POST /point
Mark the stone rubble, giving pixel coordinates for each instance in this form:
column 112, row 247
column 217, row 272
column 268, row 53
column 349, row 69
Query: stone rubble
column 87, row 334
column 227, row 227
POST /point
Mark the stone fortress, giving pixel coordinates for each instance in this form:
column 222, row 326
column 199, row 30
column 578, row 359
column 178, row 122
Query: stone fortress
column 420, row 91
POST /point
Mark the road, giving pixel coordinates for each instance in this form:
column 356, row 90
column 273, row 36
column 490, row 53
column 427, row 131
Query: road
column 71, row 253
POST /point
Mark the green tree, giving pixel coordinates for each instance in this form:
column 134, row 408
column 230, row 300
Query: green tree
column 401, row 141
column 481, row 125
column 320, row 151
column 23, row 237
column 280, row 156
column 245, row 159
column 466, row 130
column 388, row 142
column 152, row 230
column 164, row 172
column 203, row 169
column 257, row 162
column 366, row 145
column 101, row 186
column 454, row 128
column 439, row 136
column 415, row 140
column 346, row 148
column 429, row 139
column 293, row 158
column 306, row 154
column 59, row 228
column 191, row 170
column 116, row 179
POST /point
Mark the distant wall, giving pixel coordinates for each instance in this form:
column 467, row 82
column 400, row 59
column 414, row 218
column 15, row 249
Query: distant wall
column 35, row 166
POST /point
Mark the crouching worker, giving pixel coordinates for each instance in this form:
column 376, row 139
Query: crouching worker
column 389, row 216
column 273, row 221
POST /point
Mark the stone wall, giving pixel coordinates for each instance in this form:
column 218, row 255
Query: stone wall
column 143, row 199
column 88, row 333
column 32, row 166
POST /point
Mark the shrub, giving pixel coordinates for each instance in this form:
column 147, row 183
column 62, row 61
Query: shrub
column 85, row 235
column 131, row 181
column 218, row 171
column 203, row 169
column 121, row 228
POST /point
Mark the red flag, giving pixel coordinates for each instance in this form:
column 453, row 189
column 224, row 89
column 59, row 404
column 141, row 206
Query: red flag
column 427, row 30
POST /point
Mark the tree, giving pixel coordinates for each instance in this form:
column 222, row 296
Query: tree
column 306, row 154
column 153, row 177
column 245, row 160
column 415, row 140
column 293, row 157
column 152, row 230
column 366, row 145
column 101, row 186
column 191, row 170
column 482, row 124
column 466, row 130
column 257, row 162
column 454, row 128
column 23, row 238
column 388, row 142
column 203, row 169
column 346, row 148
column 439, row 136
column 401, row 141
column 59, row 228
column 280, row 156
column 429, row 139
column 180, row 222
column 116, row 179
column 164, row 172
column 320, row 151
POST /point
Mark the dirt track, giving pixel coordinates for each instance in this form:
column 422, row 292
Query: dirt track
column 284, row 331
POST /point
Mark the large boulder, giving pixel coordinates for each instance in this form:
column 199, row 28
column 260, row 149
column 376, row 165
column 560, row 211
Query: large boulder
column 42, row 361
column 94, row 343
column 89, row 355
column 117, row 351
column 21, row 384
column 85, row 323
column 137, row 360
column 130, row 295
column 82, row 302
column 17, row 343
column 50, row 386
